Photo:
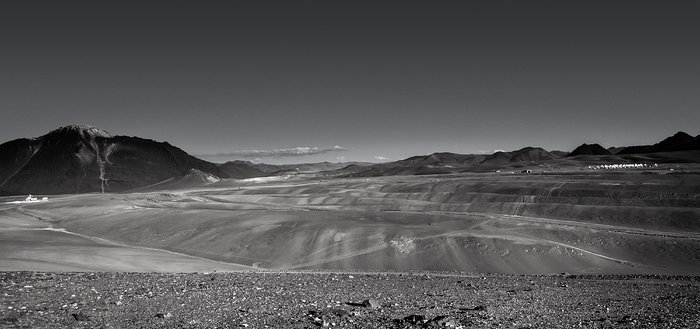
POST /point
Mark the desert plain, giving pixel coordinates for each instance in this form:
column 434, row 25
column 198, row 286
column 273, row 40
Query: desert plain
column 467, row 247
column 585, row 223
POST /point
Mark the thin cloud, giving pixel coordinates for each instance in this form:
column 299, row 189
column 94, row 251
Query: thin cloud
column 489, row 152
column 298, row 151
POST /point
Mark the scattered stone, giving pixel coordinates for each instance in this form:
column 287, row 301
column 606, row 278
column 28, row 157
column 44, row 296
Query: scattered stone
column 285, row 299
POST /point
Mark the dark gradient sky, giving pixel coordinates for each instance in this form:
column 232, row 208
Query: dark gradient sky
column 379, row 80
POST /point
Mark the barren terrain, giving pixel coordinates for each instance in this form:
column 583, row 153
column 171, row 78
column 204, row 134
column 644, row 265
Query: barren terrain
column 585, row 222
column 394, row 252
column 345, row 300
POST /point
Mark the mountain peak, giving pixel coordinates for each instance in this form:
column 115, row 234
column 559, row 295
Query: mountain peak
column 81, row 130
column 682, row 134
column 679, row 137
column 589, row 149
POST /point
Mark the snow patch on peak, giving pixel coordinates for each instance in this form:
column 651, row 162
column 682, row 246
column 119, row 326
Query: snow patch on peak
column 81, row 129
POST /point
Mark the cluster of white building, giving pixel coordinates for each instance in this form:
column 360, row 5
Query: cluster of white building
column 624, row 166
column 29, row 199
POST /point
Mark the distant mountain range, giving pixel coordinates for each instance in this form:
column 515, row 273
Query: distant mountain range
column 680, row 147
column 81, row 159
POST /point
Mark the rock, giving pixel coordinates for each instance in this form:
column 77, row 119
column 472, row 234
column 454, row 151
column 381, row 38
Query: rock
column 7, row 322
column 479, row 308
column 625, row 319
column 444, row 321
column 339, row 312
column 414, row 319
column 80, row 317
column 372, row 303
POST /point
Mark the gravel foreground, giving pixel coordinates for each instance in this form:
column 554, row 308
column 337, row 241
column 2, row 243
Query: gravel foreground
column 345, row 300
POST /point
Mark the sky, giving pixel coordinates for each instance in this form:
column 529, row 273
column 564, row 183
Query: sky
column 307, row 81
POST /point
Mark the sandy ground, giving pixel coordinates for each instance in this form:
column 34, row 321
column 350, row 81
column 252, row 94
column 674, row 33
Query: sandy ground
column 535, row 224
column 27, row 244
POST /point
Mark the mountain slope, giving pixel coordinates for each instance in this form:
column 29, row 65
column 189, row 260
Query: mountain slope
column 526, row 154
column 436, row 163
column 445, row 162
column 589, row 149
column 80, row 158
column 680, row 141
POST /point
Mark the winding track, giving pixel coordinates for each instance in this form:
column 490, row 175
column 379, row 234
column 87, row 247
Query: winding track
column 29, row 158
column 104, row 241
column 490, row 216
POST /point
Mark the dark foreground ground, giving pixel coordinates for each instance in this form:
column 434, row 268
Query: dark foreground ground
column 347, row 300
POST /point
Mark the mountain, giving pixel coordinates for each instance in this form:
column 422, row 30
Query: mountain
column 445, row 162
column 589, row 149
column 680, row 141
column 436, row 163
column 559, row 154
column 301, row 168
column 193, row 178
column 81, row 158
column 240, row 169
column 526, row 154
column 615, row 149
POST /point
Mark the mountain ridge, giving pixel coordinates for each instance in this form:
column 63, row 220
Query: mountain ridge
column 84, row 158
column 680, row 141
